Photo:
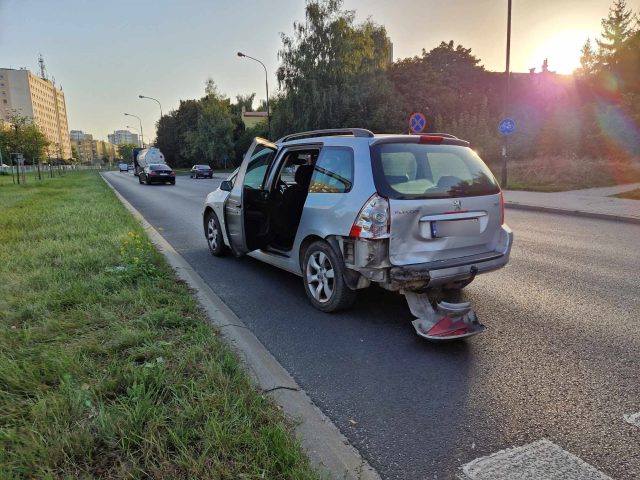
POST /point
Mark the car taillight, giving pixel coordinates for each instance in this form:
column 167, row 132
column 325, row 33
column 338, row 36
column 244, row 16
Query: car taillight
column 502, row 201
column 153, row 173
column 172, row 172
column 372, row 220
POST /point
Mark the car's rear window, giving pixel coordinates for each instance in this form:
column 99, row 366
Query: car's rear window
column 159, row 166
column 202, row 167
column 413, row 170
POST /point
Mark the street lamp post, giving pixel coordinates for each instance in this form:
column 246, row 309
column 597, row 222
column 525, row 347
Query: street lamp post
column 507, row 74
column 266, row 81
column 139, row 120
column 155, row 100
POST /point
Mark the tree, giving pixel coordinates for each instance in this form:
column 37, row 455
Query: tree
column 616, row 30
column 23, row 136
column 172, row 132
column 125, row 151
column 588, row 60
column 212, row 139
column 332, row 72
column 74, row 154
column 244, row 102
column 446, row 84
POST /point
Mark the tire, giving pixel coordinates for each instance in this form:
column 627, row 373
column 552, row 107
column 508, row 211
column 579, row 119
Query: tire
column 323, row 277
column 173, row 183
column 213, row 234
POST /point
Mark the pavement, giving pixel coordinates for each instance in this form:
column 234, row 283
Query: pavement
column 551, row 386
column 590, row 202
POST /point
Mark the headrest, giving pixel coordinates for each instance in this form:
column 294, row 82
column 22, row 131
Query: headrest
column 303, row 174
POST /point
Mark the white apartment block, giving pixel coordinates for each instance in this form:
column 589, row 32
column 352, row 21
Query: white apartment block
column 119, row 137
column 26, row 94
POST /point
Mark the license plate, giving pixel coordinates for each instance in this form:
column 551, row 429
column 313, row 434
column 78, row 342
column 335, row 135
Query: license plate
column 455, row 228
column 164, row 174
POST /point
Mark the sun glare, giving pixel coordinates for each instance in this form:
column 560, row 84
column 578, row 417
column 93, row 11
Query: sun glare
column 562, row 50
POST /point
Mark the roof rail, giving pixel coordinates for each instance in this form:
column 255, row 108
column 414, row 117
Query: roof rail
column 356, row 132
column 446, row 135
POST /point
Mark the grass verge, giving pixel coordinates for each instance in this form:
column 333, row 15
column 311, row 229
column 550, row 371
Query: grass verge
column 632, row 194
column 108, row 368
column 556, row 174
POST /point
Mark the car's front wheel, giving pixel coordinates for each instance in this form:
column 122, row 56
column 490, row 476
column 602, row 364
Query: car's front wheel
column 324, row 280
column 214, row 235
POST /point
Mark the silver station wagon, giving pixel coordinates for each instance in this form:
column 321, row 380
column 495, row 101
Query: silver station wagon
column 344, row 208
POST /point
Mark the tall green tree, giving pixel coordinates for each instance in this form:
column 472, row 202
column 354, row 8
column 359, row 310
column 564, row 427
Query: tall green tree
column 332, row 72
column 172, row 132
column 617, row 28
column 125, row 151
column 212, row 140
column 588, row 60
column 23, row 136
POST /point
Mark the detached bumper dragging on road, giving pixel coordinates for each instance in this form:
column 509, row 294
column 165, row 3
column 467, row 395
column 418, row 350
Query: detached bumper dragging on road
column 447, row 321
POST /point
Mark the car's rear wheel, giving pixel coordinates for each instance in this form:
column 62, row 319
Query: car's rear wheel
column 214, row 235
column 324, row 280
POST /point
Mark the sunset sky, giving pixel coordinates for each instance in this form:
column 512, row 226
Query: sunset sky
column 106, row 53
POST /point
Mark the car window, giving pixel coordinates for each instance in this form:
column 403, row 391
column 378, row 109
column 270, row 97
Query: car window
column 412, row 170
column 158, row 166
column 257, row 167
column 333, row 172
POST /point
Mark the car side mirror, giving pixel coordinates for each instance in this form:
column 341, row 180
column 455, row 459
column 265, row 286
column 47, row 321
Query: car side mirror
column 226, row 185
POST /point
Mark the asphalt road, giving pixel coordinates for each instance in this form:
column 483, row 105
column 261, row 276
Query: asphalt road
column 560, row 360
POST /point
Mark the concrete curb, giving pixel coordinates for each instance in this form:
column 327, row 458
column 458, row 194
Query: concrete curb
column 328, row 450
column 575, row 213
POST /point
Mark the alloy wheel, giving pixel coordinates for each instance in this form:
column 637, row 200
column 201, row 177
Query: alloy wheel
column 320, row 276
column 212, row 234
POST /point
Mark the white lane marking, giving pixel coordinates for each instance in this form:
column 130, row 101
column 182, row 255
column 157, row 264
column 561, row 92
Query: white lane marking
column 541, row 459
column 632, row 418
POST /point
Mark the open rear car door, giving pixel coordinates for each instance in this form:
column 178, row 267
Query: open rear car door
column 247, row 209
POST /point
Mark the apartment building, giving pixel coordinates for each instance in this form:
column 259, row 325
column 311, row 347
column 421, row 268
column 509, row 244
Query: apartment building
column 92, row 151
column 104, row 152
column 26, row 94
column 83, row 144
column 119, row 137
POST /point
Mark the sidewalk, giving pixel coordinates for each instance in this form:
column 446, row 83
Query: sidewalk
column 590, row 202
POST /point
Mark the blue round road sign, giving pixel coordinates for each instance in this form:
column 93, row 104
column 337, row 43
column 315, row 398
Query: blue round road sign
column 417, row 122
column 507, row 126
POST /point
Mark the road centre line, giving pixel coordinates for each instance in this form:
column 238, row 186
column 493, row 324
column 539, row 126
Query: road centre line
column 541, row 459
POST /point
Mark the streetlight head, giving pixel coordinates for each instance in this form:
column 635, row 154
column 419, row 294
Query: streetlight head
column 240, row 54
column 126, row 114
column 141, row 96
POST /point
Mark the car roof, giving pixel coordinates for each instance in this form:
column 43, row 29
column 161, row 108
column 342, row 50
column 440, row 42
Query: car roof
column 375, row 139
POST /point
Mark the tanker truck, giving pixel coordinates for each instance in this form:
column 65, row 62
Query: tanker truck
column 146, row 156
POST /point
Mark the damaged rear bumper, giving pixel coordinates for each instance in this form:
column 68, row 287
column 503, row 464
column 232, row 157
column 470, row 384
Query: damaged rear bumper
column 368, row 261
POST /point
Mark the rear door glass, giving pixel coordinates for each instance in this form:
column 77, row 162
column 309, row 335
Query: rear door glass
column 412, row 170
column 333, row 172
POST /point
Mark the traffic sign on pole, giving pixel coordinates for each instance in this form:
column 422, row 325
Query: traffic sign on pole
column 507, row 126
column 417, row 122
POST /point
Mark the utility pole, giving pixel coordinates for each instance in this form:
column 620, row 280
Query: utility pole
column 507, row 75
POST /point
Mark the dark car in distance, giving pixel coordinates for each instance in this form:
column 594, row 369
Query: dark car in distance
column 203, row 171
column 157, row 173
